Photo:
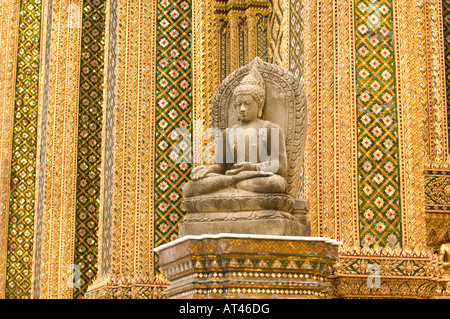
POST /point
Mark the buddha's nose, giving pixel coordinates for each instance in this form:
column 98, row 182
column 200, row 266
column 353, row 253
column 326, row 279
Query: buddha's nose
column 242, row 108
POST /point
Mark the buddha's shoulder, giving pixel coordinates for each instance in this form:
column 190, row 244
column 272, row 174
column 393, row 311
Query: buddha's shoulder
column 268, row 124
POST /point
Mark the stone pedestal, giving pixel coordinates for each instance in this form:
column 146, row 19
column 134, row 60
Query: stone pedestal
column 246, row 213
column 248, row 266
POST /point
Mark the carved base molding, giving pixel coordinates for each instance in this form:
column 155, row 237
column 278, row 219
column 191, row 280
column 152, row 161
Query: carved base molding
column 126, row 287
column 390, row 288
column 387, row 273
column 248, row 266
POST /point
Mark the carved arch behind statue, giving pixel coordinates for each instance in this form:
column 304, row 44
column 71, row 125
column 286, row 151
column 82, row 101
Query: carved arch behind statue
column 285, row 106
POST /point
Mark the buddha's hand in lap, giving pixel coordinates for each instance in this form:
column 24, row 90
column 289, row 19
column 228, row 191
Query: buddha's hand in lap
column 244, row 171
column 201, row 171
column 242, row 167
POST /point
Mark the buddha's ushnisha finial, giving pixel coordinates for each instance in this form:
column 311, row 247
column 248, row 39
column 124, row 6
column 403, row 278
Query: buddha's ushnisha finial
column 253, row 84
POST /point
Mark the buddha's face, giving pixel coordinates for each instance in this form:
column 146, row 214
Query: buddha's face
column 246, row 107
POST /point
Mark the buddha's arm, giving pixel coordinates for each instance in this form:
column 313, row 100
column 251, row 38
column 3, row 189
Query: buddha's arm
column 276, row 165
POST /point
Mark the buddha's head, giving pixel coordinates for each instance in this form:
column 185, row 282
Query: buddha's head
column 250, row 97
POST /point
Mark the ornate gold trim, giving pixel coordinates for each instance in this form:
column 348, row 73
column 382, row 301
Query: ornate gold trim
column 346, row 204
column 433, row 39
column 310, row 74
column 205, row 70
column 43, row 79
column 9, row 31
column 412, row 100
column 326, row 118
column 132, row 241
column 59, row 196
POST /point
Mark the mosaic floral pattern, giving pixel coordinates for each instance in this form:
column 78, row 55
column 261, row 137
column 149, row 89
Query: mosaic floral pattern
column 378, row 159
column 446, row 26
column 23, row 166
column 173, row 116
column 89, row 141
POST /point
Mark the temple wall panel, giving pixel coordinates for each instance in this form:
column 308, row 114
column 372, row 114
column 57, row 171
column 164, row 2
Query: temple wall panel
column 105, row 109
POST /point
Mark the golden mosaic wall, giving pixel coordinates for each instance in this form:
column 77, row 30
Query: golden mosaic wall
column 368, row 109
column 376, row 166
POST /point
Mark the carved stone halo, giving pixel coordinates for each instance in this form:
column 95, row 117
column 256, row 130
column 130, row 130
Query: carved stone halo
column 285, row 106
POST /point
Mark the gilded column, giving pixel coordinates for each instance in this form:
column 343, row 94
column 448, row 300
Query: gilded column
column 127, row 216
column 234, row 20
column 60, row 154
column 9, row 13
column 205, row 71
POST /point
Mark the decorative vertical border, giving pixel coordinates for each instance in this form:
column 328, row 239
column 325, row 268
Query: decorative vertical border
column 206, row 76
column 173, row 121
column 242, row 32
column 9, row 32
column 436, row 84
column 47, row 10
column 89, row 141
column 108, row 135
column 132, row 208
column 445, row 36
column 411, row 55
column 326, row 151
column 261, row 36
column 311, row 23
column 126, row 222
column 296, row 40
column 59, row 189
column 346, row 202
column 23, row 162
column 380, row 214
column 223, row 36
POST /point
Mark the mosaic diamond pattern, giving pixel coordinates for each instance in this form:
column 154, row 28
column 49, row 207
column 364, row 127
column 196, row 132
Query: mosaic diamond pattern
column 261, row 34
column 446, row 25
column 89, row 141
column 173, row 116
column 23, row 166
column 378, row 161
column 296, row 45
column 242, row 45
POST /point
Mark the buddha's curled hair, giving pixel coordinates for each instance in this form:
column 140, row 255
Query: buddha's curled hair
column 253, row 84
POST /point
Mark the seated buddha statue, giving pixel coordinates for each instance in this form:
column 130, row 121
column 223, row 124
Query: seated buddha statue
column 250, row 155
